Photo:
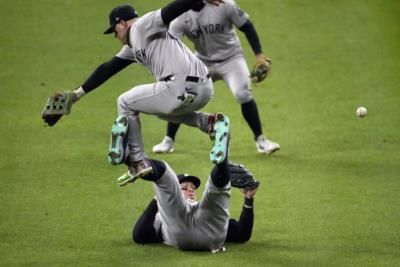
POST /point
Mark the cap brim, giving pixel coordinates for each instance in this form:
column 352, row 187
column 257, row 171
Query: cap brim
column 110, row 30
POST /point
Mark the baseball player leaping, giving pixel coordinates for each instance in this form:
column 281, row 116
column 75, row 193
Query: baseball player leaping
column 183, row 84
column 211, row 29
column 177, row 219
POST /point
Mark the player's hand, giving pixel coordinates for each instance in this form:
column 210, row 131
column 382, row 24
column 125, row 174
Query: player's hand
column 248, row 193
column 215, row 2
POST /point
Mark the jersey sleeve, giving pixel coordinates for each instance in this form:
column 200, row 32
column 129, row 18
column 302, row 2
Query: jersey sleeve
column 176, row 27
column 235, row 14
column 126, row 53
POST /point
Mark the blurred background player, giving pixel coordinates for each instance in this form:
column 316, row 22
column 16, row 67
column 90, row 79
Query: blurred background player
column 211, row 29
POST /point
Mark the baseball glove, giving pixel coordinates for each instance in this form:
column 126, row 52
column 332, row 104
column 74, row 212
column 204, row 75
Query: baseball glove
column 58, row 105
column 241, row 177
column 261, row 69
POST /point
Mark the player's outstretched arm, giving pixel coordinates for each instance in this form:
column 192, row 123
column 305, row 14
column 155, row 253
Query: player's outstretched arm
column 60, row 103
column 240, row 231
column 104, row 72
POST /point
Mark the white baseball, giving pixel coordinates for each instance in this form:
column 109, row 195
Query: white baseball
column 361, row 112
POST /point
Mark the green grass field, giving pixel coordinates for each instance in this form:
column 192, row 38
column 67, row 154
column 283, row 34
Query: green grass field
column 330, row 197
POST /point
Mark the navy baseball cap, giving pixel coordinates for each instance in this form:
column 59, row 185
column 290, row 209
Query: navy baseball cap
column 189, row 178
column 123, row 12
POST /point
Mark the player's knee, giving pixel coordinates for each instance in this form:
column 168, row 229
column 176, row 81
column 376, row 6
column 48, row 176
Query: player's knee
column 121, row 102
column 138, row 237
column 245, row 238
column 243, row 96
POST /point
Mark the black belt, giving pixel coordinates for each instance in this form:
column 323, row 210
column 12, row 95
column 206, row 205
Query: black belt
column 193, row 79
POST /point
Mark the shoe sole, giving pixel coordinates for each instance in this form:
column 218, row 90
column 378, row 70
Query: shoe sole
column 126, row 178
column 118, row 132
column 220, row 149
column 163, row 151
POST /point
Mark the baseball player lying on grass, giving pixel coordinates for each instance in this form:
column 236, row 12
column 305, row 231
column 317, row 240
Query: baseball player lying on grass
column 183, row 85
column 211, row 29
column 148, row 228
column 177, row 219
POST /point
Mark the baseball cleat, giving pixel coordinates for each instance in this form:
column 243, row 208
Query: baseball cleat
column 266, row 146
column 118, row 142
column 221, row 138
column 126, row 178
column 136, row 170
column 166, row 146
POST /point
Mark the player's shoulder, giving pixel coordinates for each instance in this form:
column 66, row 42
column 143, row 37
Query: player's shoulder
column 152, row 16
column 228, row 6
column 233, row 9
column 188, row 15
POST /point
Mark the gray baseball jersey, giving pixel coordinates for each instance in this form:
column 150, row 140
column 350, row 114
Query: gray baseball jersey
column 212, row 30
column 216, row 43
column 189, row 225
column 151, row 45
column 174, row 99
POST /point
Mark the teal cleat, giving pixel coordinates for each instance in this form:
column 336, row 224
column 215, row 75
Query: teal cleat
column 221, row 139
column 118, row 142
